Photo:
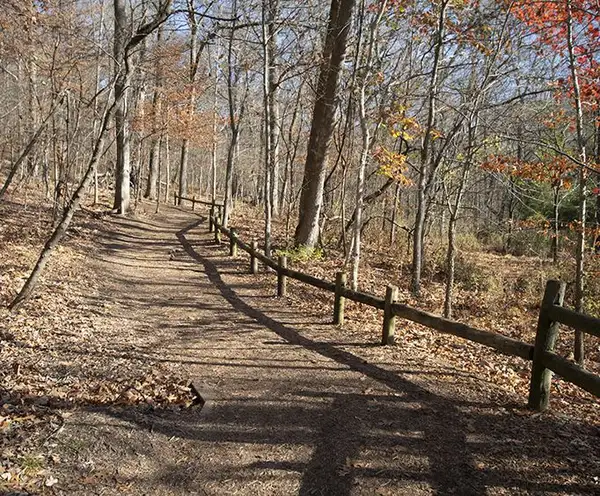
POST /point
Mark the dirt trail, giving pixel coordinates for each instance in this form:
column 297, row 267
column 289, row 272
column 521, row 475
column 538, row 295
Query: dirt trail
column 295, row 406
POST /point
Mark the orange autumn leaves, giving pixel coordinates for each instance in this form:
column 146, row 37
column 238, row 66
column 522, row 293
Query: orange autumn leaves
column 548, row 20
column 556, row 171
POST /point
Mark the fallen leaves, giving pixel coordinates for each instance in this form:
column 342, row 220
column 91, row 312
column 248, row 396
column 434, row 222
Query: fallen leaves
column 499, row 308
column 65, row 349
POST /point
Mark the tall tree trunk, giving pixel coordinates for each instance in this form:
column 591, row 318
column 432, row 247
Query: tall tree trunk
column 167, row 169
column 193, row 70
column 365, row 76
column 450, row 265
column 235, row 116
column 394, row 216
column 123, row 139
column 580, row 253
column 213, row 161
column 555, row 222
column 424, row 169
column 269, row 183
column 273, row 103
column 153, row 167
column 183, row 169
column 96, row 89
column 311, row 199
column 154, row 163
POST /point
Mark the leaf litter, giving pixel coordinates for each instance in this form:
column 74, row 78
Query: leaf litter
column 58, row 353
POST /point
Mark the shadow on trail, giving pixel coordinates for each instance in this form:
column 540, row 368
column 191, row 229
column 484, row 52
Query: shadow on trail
column 450, row 456
column 452, row 468
column 317, row 431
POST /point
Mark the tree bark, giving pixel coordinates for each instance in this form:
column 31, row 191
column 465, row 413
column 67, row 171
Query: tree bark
column 151, row 192
column 269, row 182
column 580, row 250
column 123, row 138
column 311, row 199
column 365, row 75
column 425, row 171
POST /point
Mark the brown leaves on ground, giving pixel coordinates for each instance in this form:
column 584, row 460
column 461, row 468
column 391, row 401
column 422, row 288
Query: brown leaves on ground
column 58, row 353
column 497, row 293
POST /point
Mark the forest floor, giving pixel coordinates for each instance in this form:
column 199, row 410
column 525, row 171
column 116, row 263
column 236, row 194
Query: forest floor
column 95, row 371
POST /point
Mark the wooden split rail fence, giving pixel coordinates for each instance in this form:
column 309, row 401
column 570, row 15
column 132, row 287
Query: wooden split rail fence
column 552, row 314
column 216, row 207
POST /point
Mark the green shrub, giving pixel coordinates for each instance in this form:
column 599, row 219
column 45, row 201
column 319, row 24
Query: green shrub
column 301, row 254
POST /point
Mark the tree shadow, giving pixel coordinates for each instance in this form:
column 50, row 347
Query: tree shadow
column 316, row 434
column 445, row 427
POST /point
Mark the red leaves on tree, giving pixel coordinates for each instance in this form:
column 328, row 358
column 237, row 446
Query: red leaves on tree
column 556, row 171
column 548, row 21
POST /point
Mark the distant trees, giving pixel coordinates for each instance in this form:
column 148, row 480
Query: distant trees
column 406, row 125
column 111, row 109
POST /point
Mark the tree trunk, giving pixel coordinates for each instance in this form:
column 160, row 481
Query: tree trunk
column 365, row 144
column 424, row 169
column 153, row 168
column 213, row 161
column 123, row 164
column 183, row 169
column 96, row 89
column 273, row 104
column 394, row 216
column 311, row 199
column 555, row 223
column 580, row 253
column 167, row 169
column 269, row 182
column 154, row 163
column 450, row 259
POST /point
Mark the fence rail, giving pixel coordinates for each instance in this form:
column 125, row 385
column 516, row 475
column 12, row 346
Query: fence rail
column 193, row 200
column 552, row 313
column 545, row 361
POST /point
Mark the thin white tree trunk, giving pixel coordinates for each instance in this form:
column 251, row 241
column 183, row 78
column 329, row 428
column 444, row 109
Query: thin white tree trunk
column 580, row 250
column 365, row 145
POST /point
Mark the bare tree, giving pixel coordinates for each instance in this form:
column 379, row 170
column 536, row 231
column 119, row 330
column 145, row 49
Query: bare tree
column 110, row 109
column 311, row 199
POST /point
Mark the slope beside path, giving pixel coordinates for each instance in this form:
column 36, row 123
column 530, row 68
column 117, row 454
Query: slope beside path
column 293, row 405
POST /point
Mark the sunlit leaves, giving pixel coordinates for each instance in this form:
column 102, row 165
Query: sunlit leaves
column 401, row 125
column 392, row 165
column 556, row 171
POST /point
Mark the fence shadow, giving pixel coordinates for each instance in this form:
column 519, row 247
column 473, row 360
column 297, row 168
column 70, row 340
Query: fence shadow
column 452, row 440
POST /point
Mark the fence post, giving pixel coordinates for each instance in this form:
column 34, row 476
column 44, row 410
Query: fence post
column 217, row 231
column 193, row 203
column 253, row 259
column 389, row 319
column 232, row 243
column 545, row 339
column 211, row 215
column 281, row 279
column 339, row 302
